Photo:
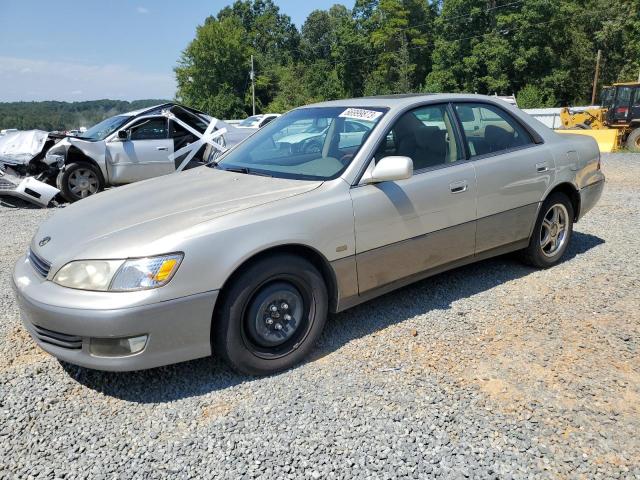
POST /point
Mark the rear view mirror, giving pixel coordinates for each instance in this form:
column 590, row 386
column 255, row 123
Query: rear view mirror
column 123, row 135
column 390, row 169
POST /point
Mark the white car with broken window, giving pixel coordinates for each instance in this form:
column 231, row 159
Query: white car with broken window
column 129, row 147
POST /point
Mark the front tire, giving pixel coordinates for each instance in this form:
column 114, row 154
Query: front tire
column 271, row 315
column 552, row 232
column 633, row 140
column 79, row 180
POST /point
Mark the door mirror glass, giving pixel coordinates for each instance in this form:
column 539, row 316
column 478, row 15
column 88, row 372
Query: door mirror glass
column 390, row 169
column 124, row 135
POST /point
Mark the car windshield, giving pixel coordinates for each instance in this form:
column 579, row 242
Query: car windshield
column 250, row 121
column 105, row 128
column 277, row 151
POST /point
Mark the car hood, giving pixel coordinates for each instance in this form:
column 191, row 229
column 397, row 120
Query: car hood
column 136, row 220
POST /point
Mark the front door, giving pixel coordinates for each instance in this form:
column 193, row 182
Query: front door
column 145, row 154
column 408, row 227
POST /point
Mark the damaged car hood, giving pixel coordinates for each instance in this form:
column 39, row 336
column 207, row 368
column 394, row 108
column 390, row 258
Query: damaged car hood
column 129, row 221
column 18, row 148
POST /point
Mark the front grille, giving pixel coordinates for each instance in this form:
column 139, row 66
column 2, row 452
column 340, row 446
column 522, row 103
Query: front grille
column 39, row 265
column 58, row 339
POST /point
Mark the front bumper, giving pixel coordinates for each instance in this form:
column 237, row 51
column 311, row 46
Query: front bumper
column 178, row 330
column 590, row 195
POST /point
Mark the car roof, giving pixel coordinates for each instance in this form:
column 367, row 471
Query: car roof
column 402, row 100
column 161, row 106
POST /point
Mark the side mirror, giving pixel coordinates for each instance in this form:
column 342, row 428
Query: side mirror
column 390, row 169
column 124, row 135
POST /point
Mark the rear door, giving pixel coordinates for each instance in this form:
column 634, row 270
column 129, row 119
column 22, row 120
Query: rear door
column 145, row 154
column 407, row 227
column 513, row 173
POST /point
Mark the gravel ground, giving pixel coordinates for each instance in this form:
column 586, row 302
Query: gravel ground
column 494, row 370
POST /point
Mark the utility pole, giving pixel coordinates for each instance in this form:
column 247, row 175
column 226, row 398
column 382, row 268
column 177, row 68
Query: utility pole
column 253, row 87
column 595, row 78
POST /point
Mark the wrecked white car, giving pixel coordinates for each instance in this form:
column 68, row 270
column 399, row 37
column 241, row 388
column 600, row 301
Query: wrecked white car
column 130, row 147
column 23, row 172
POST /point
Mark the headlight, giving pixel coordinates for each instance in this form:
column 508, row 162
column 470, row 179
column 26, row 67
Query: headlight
column 145, row 273
column 119, row 275
column 54, row 159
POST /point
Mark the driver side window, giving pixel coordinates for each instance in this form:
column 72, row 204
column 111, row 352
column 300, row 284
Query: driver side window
column 426, row 135
column 149, row 129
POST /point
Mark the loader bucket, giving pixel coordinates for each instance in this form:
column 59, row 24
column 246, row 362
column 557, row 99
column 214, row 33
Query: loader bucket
column 607, row 139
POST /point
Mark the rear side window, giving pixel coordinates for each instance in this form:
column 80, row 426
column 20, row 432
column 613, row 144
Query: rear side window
column 489, row 129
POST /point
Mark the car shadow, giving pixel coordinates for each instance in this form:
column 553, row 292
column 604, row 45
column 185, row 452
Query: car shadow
column 198, row 377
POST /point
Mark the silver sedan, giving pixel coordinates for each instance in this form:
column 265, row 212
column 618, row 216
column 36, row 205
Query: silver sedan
column 247, row 257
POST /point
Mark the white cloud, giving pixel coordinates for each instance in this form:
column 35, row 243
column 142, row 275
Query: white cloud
column 24, row 79
column 142, row 10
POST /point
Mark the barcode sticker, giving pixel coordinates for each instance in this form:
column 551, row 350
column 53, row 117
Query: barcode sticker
column 360, row 114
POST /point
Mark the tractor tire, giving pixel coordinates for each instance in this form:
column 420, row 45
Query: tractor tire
column 633, row 140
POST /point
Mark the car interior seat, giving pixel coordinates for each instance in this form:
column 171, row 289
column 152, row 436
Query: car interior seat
column 498, row 138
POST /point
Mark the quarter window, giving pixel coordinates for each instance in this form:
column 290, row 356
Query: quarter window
column 489, row 129
column 426, row 135
column 150, row 129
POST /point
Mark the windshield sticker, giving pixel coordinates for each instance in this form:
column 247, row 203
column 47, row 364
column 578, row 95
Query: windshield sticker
column 360, row 114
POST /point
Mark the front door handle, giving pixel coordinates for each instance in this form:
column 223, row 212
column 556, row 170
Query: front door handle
column 542, row 167
column 459, row 187
column 163, row 148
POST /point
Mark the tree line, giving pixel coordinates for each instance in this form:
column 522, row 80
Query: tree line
column 543, row 51
column 51, row 115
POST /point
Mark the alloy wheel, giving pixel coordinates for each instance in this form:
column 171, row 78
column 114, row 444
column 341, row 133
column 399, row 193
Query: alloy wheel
column 83, row 182
column 554, row 230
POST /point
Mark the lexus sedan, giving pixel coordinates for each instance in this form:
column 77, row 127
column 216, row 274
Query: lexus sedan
column 245, row 258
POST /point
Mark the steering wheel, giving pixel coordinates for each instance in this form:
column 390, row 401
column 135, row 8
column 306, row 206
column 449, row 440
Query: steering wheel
column 346, row 158
column 312, row 146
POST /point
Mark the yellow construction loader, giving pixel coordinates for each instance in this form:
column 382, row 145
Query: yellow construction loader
column 615, row 124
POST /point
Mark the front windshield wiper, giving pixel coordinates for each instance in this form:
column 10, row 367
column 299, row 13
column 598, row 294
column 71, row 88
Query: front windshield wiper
column 245, row 170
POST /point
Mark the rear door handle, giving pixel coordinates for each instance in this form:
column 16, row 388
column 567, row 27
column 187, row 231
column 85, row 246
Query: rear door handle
column 542, row 167
column 163, row 148
column 459, row 187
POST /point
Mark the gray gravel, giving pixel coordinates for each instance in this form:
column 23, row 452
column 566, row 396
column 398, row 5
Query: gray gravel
column 494, row 370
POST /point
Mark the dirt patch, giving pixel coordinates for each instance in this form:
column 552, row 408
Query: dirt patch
column 23, row 352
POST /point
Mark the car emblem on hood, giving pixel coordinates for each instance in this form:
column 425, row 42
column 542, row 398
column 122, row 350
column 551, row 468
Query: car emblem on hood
column 44, row 241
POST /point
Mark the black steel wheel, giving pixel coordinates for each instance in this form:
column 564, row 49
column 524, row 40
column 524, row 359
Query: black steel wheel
column 270, row 315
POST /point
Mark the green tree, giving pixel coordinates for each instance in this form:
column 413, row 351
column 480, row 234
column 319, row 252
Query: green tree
column 399, row 33
column 212, row 71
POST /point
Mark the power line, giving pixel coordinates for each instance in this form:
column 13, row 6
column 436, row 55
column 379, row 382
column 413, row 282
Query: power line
column 440, row 19
column 468, row 16
column 493, row 32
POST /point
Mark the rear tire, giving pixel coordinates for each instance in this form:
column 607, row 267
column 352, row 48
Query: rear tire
column 551, row 233
column 271, row 315
column 633, row 140
column 79, row 180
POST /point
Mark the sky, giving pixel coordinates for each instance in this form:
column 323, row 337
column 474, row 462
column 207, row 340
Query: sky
column 119, row 49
